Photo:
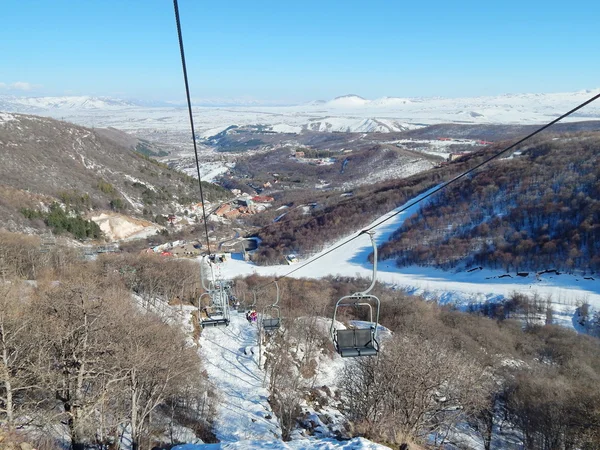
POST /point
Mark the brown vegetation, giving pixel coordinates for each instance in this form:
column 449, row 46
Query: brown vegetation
column 75, row 349
column 537, row 211
column 443, row 367
column 84, row 169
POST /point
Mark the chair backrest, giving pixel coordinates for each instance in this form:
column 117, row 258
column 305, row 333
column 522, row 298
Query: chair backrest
column 345, row 338
column 270, row 324
column 356, row 342
column 363, row 337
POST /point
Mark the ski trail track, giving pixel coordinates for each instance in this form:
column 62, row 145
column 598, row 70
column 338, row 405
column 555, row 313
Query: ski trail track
column 230, row 355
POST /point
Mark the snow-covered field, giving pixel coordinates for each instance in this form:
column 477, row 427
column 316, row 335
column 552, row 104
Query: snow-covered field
column 347, row 113
column 461, row 288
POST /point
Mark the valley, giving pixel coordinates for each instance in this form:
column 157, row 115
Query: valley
column 483, row 307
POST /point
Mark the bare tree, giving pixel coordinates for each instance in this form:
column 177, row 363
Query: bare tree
column 77, row 366
column 158, row 364
column 412, row 389
column 15, row 349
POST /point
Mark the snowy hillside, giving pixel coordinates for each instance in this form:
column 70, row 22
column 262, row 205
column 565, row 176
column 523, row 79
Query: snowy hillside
column 453, row 288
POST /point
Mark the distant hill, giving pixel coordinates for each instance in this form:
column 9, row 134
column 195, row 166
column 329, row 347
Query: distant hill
column 33, row 104
column 45, row 160
column 537, row 209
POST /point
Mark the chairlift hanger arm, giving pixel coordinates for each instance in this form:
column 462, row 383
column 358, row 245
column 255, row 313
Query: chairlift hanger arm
column 371, row 234
column 277, row 299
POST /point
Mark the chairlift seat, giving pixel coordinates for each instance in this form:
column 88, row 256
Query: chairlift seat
column 271, row 324
column 356, row 342
column 214, row 322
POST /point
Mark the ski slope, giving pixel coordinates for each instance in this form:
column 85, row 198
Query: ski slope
column 244, row 417
column 458, row 288
column 230, row 355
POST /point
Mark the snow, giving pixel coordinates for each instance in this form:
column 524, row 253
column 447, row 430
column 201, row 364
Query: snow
column 461, row 288
column 230, row 355
column 244, row 416
column 209, row 171
column 137, row 180
column 349, row 113
column 69, row 102
column 301, row 444
column 285, row 128
column 5, row 117
column 214, row 131
column 348, row 100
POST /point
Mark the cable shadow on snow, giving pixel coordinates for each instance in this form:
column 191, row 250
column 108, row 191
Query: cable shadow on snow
column 238, row 364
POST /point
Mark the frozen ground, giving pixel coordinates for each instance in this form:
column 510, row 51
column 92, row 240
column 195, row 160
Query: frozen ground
column 349, row 113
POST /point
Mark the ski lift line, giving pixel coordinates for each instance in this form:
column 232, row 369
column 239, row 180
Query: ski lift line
column 189, row 104
column 439, row 188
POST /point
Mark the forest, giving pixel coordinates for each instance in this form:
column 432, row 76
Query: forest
column 539, row 209
column 336, row 216
column 84, row 348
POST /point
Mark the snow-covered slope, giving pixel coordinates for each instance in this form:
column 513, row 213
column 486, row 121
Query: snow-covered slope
column 456, row 288
column 231, row 360
column 302, row 444
column 346, row 101
column 244, row 417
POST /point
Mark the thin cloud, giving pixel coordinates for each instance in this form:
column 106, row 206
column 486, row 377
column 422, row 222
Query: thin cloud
column 3, row 85
column 24, row 86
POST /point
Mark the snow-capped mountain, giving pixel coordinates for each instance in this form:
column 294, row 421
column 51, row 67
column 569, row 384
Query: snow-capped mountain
column 350, row 100
column 32, row 104
column 348, row 113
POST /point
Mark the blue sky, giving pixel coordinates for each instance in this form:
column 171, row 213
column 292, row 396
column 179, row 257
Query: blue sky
column 287, row 51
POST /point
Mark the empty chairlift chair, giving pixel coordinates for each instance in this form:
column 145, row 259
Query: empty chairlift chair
column 361, row 341
column 272, row 323
column 216, row 313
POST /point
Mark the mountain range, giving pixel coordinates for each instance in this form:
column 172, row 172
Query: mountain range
column 348, row 113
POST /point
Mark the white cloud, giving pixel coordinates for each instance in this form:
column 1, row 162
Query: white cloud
column 3, row 85
column 23, row 86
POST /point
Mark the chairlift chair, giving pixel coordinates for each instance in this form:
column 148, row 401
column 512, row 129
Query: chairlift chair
column 361, row 341
column 217, row 312
column 272, row 323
